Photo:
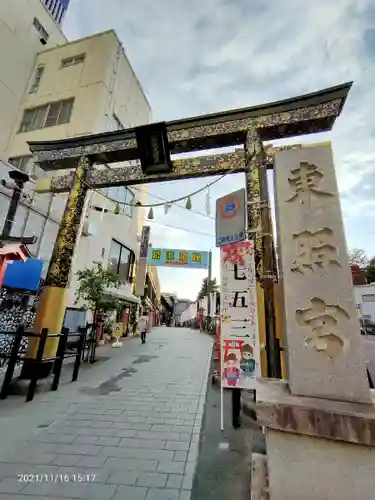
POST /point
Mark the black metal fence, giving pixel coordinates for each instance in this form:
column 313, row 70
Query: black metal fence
column 69, row 346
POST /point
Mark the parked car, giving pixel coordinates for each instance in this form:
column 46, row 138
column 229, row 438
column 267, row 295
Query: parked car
column 367, row 326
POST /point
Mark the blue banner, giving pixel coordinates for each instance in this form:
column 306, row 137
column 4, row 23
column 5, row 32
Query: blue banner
column 171, row 257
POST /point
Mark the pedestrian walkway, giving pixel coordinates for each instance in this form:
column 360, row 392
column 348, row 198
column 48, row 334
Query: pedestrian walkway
column 127, row 430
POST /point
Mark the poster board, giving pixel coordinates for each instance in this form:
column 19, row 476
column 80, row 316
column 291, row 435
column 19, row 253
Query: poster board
column 240, row 360
column 118, row 330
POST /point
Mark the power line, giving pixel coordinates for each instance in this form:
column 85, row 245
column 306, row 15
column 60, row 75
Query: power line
column 182, row 198
column 182, row 229
column 176, row 204
column 159, row 204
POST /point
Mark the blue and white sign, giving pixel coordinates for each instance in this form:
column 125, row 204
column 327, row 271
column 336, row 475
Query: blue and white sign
column 231, row 218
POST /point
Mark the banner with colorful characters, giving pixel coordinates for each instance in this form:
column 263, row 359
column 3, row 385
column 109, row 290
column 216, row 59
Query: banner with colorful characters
column 240, row 360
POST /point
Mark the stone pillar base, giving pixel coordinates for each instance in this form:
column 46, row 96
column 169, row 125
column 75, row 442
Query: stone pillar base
column 317, row 449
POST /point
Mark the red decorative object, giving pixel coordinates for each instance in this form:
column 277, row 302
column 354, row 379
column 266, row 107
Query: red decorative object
column 358, row 275
column 235, row 252
column 232, row 344
column 201, row 318
column 9, row 253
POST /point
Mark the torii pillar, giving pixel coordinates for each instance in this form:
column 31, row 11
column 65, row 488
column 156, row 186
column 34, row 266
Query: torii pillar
column 51, row 310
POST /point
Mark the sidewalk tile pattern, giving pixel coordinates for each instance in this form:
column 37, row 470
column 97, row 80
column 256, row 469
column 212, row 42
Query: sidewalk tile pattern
column 132, row 433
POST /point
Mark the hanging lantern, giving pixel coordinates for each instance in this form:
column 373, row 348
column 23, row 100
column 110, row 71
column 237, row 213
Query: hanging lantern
column 151, row 214
column 117, row 209
column 188, row 203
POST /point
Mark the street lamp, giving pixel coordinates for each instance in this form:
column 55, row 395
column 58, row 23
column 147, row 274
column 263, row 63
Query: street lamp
column 19, row 179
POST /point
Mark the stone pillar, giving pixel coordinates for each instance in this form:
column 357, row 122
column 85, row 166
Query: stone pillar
column 320, row 426
column 50, row 313
column 325, row 353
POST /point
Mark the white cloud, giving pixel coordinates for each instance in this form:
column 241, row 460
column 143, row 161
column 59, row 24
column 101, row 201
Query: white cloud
column 204, row 56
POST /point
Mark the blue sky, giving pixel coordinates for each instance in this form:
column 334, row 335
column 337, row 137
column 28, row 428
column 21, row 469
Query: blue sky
column 194, row 57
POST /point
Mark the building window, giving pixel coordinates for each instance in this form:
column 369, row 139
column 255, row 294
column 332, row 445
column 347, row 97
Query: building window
column 56, row 15
column 59, row 14
column 48, row 115
column 121, row 260
column 122, row 194
column 42, row 32
column 37, row 77
column 55, row 8
column 21, row 162
column 62, row 15
column 71, row 61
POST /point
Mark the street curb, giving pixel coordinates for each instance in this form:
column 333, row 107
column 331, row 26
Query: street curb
column 202, row 406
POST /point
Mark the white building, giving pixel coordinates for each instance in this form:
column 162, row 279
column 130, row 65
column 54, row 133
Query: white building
column 365, row 301
column 180, row 306
column 26, row 28
column 79, row 88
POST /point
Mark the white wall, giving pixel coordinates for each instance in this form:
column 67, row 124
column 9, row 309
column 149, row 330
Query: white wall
column 105, row 227
column 86, row 82
column 102, row 85
column 19, row 45
column 365, row 297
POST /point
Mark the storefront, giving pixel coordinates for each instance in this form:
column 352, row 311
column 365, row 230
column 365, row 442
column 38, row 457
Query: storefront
column 124, row 315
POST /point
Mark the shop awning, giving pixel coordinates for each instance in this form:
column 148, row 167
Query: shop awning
column 122, row 295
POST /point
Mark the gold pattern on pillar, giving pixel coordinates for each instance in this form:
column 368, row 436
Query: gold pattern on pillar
column 260, row 231
column 253, row 159
column 60, row 264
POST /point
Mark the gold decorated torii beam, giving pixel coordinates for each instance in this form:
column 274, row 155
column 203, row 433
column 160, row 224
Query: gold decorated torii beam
column 306, row 114
column 246, row 127
column 187, row 168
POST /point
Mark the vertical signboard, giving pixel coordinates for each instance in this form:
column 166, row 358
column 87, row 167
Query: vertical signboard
column 142, row 263
column 240, row 362
column 231, row 218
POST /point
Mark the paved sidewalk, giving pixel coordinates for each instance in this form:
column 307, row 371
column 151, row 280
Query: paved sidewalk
column 128, row 430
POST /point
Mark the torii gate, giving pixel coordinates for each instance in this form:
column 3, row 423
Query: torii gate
column 152, row 145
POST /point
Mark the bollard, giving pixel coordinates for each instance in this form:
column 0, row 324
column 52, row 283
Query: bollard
column 236, row 408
